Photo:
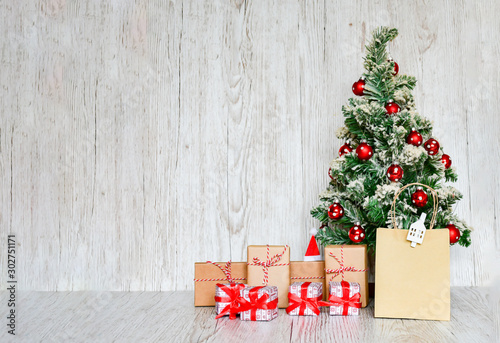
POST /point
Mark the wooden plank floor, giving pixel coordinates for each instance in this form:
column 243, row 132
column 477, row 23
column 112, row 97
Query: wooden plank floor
column 171, row 316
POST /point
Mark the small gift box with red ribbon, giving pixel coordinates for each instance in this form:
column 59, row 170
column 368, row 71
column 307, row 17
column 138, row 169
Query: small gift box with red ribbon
column 258, row 303
column 305, row 299
column 309, row 271
column 226, row 299
column 344, row 298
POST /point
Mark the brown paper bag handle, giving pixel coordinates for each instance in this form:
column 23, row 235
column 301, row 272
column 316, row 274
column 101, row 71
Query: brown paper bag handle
column 434, row 198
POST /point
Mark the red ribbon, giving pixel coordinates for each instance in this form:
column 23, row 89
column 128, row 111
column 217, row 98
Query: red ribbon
column 233, row 294
column 256, row 303
column 345, row 301
column 304, row 301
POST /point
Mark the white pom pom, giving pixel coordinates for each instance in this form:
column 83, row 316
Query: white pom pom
column 313, row 231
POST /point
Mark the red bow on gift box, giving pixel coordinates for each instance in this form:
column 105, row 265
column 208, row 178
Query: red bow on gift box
column 345, row 301
column 256, row 303
column 233, row 294
column 304, row 301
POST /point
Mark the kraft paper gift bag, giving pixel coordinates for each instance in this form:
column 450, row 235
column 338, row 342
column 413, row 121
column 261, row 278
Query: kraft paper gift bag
column 412, row 282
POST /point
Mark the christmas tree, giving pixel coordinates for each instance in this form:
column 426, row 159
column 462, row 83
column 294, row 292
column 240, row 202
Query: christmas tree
column 387, row 145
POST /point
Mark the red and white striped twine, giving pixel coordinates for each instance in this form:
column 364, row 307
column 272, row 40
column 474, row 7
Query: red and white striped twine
column 306, row 277
column 270, row 262
column 234, row 279
column 226, row 270
column 342, row 268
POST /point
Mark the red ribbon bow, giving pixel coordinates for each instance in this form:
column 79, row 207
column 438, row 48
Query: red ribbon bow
column 256, row 303
column 345, row 301
column 304, row 301
column 233, row 294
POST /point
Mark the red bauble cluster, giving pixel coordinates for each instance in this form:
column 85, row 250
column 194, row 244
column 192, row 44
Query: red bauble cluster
column 336, row 211
column 446, row 160
column 345, row 149
column 419, row 198
column 431, row 146
column 395, row 172
column 357, row 233
column 414, row 138
column 392, row 108
column 396, row 67
column 364, row 151
column 454, row 233
column 358, row 87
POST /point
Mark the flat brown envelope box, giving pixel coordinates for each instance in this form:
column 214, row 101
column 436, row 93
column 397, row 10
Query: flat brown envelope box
column 204, row 291
column 301, row 271
column 354, row 256
column 278, row 275
column 412, row 282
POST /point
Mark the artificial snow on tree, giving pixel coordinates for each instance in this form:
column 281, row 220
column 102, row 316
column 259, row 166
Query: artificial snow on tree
column 383, row 126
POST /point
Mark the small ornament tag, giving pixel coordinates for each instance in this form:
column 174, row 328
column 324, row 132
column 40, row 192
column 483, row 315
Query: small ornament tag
column 416, row 232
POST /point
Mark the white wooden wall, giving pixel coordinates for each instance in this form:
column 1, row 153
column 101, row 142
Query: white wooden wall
column 139, row 137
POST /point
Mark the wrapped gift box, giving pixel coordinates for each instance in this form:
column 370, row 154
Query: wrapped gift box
column 207, row 275
column 270, row 265
column 304, row 298
column 226, row 299
column 344, row 297
column 259, row 303
column 348, row 263
column 313, row 271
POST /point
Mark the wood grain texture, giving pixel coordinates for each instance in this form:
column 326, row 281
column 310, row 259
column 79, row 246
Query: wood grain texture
column 161, row 316
column 138, row 137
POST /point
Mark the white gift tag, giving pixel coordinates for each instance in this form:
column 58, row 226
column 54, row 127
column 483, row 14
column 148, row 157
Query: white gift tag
column 416, row 232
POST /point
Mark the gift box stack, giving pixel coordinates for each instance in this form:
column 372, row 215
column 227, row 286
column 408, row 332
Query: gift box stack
column 268, row 280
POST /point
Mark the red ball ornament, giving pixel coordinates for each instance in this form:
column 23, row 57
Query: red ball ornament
column 419, row 198
column 358, row 87
column 345, row 149
column 446, row 160
column 454, row 233
column 336, row 211
column 414, row 138
column 431, row 146
column 392, row 108
column 396, row 67
column 357, row 233
column 395, row 172
column 364, row 151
